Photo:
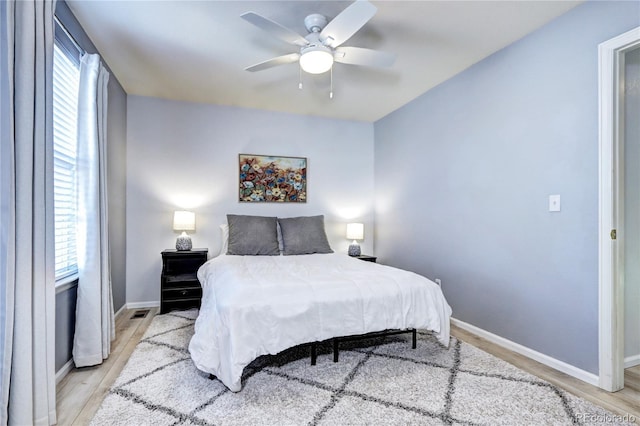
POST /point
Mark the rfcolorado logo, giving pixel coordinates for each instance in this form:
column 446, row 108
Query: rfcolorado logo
column 606, row 418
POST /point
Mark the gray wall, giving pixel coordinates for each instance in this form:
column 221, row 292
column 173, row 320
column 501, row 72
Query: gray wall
column 463, row 174
column 117, row 189
column 184, row 155
column 65, row 325
column 116, row 175
column 632, row 208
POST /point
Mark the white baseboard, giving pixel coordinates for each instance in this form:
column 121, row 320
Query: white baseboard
column 60, row 374
column 632, row 361
column 120, row 312
column 562, row 366
column 139, row 305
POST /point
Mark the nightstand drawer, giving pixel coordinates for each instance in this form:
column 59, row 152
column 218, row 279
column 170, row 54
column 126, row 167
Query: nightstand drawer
column 181, row 304
column 182, row 293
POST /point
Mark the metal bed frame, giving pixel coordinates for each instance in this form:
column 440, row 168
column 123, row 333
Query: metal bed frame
column 336, row 341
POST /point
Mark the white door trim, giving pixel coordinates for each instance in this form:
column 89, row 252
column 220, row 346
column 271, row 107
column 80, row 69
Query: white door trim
column 611, row 285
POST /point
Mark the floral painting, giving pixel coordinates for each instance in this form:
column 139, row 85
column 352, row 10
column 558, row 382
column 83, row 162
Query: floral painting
column 265, row 178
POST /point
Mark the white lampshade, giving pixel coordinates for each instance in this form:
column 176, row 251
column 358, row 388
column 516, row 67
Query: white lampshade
column 316, row 59
column 184, row 221
column 355, row 231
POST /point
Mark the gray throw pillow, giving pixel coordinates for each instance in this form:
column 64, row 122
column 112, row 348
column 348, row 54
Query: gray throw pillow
column 304, row 235
column 252, row 235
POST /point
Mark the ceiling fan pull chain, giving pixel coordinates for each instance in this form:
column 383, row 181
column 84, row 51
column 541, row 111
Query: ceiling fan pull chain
column 331, row 89
column 300, row 78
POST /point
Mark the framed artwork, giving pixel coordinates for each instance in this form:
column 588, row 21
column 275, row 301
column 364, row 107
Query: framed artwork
column 267, row 178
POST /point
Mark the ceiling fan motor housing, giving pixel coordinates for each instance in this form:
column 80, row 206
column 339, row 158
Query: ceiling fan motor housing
column 315, row 22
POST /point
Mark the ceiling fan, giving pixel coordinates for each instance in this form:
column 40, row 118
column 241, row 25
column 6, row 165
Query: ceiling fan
column 319, row 49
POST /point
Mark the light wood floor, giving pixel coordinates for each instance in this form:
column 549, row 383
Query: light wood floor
column 82, row 390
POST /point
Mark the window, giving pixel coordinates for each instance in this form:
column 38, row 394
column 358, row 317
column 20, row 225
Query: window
column 66, row 76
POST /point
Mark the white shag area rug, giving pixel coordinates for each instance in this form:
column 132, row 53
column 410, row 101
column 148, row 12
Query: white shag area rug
column 376, row 382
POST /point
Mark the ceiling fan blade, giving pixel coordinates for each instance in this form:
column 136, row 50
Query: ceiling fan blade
column 362, row 56
column 274, row 62
column 347, row 23
column 275, row 29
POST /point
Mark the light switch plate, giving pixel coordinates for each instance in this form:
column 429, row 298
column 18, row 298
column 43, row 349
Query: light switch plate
column 554, row 203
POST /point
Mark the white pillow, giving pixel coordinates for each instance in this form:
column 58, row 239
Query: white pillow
column 225, row 239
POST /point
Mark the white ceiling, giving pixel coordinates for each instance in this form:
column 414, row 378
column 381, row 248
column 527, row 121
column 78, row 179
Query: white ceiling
column 197, row 50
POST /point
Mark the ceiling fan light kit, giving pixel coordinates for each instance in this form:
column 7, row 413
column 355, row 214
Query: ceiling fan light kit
column 316, row 59
column 320, row 48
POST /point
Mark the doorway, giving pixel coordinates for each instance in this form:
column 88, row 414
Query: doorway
column 631, row 142
column 615, row 239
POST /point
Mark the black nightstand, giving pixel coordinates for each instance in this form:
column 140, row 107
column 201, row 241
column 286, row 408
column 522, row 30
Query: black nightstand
column 179, row 285
column 367, row 258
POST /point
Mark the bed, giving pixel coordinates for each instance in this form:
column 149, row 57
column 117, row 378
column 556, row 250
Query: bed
column 254, row 305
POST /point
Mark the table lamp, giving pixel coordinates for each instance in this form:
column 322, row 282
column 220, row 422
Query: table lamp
column 355, row 231
column 184, row 221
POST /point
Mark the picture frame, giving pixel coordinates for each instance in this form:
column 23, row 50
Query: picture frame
column 272, row 179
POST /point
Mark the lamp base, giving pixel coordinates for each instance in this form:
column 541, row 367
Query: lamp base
column 183, row 243
column 354, row 250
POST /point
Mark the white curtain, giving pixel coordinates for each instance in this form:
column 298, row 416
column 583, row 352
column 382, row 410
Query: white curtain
column 95, row 328
column 27, row 277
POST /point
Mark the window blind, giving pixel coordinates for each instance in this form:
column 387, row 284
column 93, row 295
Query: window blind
column 65, row 116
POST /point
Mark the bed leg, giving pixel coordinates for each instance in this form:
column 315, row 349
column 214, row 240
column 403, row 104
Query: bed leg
column 314, row 353
column 335, row 350
column 414, row 338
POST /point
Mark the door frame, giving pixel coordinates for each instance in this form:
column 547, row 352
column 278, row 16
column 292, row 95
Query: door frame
column 611, row 207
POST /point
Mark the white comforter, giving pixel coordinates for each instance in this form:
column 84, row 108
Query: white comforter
column 257, row 305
